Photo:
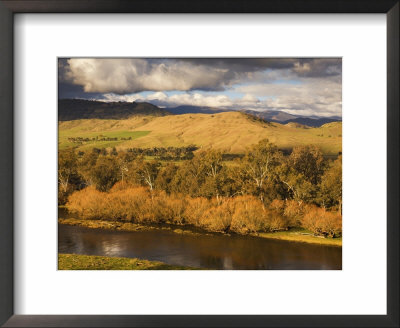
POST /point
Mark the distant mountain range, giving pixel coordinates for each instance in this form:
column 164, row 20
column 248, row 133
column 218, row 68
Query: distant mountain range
column 271, row 116
column 195, row 110
column 284, row 118
column 73, row 109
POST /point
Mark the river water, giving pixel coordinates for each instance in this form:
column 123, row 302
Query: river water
column 201, row 251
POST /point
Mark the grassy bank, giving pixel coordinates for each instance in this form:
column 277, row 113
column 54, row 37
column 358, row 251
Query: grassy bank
column 301, row 235
column 295, row 235
column 90, row 262
column 126, row 226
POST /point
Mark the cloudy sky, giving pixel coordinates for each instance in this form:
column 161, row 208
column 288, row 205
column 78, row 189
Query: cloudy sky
column 296, row 86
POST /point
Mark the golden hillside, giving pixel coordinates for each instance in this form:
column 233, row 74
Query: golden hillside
column 230, row 131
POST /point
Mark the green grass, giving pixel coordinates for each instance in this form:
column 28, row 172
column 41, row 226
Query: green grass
column 301, row 235
column 75, row 133
column 91, row 262
column 231, row 132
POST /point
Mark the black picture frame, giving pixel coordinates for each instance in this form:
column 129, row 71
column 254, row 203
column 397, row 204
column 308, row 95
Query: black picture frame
column 10, row 7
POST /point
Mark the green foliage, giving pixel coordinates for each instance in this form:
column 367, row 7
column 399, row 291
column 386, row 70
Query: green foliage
column 166, row 153
column 143, row 172
column 73, row 109
column 86, row 164
column 331, row 186
column 165, row 177
column 105, row 173
column 68, row 177
column 263, row 190
column 84, row 140
column 263, row 172
column 257, row 169
column 301, row 173
column 307, row 161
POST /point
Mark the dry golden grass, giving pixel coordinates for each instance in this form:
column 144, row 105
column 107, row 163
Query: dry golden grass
column 302, row 236
column 229, row 131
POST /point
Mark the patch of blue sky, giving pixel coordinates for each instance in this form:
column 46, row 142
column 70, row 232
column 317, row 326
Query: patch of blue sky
column 262, row 98
column 291, row 82
column 144, row 94
column 174, row 92
column 231, row 93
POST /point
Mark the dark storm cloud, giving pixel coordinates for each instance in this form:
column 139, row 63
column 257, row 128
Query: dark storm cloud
column 68, row 90
column 124, row 76
column 302, row 67
column 318, row 67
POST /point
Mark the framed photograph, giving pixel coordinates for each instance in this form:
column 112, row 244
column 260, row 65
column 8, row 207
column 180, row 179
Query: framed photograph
column 218, row 164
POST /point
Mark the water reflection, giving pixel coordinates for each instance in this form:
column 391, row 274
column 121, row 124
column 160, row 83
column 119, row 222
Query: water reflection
column 213, row 252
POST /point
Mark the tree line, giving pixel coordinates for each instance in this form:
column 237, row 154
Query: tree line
column 300, row 183
column 97, row 138
column 166, row 153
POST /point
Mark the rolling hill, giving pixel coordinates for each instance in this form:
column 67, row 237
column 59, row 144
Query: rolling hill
column 312, row 122
column 74, row 109
column 229, row 131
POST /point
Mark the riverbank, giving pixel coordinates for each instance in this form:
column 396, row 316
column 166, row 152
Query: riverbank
column 302, row 236
column 127, row 226
column 91, row 262
column 294, row 235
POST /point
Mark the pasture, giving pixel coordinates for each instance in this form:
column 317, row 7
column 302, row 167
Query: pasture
column 231, row 132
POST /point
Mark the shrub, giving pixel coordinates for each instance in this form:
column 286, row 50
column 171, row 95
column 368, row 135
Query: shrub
column 278, row 206
column 170, row 209
column 249, row 215
column 217, row 217
column 294, row 212
column 131, row 204
column 121, row 185
column 195, row 209
column 241, row 214
column 87, row 203
column 322, row 222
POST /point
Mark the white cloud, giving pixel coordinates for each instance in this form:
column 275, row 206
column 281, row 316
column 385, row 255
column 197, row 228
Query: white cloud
column 308, row 87
column 192, row 99
column 123, row 76
column 313, row 96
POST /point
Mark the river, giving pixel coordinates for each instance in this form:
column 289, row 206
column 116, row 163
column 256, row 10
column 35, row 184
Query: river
column 201, row 251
